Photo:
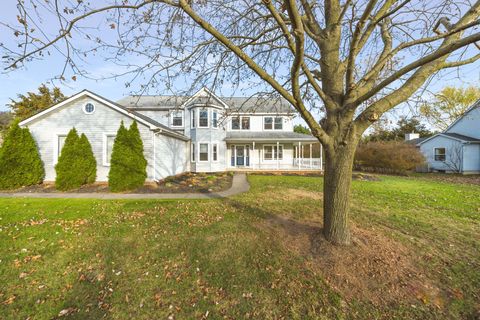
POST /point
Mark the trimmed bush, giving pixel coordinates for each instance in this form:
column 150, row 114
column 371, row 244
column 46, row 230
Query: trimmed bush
column 20, row 162
column 388, row 157
column 87, row 162
column 128, row 166
column 76, row 164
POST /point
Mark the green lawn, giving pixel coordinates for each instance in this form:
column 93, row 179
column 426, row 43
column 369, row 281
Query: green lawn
column 416, row 254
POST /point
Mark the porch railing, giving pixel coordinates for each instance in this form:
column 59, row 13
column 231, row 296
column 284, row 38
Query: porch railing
column 307, row 163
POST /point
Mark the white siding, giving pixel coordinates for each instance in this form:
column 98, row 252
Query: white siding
column 468, row 125
column 256, row 122
column 103, row 121
column 172, row 156
column 471, row 158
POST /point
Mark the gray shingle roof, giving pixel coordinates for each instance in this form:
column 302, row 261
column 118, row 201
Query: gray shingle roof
column 461, row 137
column 237, row 104
column 269, row 136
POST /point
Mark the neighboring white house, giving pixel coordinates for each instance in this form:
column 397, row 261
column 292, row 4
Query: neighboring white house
column 457, row 149
column 201, row 133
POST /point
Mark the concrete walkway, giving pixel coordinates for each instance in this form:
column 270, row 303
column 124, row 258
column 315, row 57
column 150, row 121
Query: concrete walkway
column 239, row 185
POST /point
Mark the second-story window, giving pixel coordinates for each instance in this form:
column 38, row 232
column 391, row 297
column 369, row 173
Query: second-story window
column 236, row 123
column 214, row 119
column 241, row 123
column 177, row 119
column 278, row 123
column 203, row 119
column 245, row 123
column 193, row 118
column 273, row 123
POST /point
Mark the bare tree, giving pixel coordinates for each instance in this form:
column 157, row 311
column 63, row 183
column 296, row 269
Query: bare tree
column 454, row 157
column 350, row 61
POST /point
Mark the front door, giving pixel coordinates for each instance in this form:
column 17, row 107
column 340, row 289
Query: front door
column 240, row 156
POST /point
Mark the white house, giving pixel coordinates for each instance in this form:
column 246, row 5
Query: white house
column 457, row 149
column 201, row 133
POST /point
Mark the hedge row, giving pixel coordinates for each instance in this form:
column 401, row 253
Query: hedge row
column 21, row 165
column 388, row 157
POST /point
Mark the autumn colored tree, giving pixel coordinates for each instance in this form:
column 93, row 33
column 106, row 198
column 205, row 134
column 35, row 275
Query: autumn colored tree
column 448, row 105
column 340, row 63
column 32, row 103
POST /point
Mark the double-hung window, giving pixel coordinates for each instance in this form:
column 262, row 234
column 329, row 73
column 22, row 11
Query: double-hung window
column 215, row 152
column 60, row 143
column 440, row 154
column 177, row 119
column 203, row 119
column 203, row 152
column 271, row 152
column 108, row 141
column 214, row 119
column 268, row 123
column 273, row 123
column 192, row 157
column 241, row 123
column 236, row 123
column 278, row 123
column 193, row 118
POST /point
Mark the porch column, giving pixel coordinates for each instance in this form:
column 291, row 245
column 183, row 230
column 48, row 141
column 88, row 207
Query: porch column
column 252, row 160
column 303, row 154
column 278, row 158
column 298, row 158
column 310, row 156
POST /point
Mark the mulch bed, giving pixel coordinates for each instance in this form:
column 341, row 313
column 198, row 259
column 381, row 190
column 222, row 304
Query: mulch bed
column 183, row 183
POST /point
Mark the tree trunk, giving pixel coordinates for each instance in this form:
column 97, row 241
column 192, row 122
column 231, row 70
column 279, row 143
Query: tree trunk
column 336, row 193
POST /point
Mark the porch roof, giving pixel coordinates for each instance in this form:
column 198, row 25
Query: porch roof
column 268, row 136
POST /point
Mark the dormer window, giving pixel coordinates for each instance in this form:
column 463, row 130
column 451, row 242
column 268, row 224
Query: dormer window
column 241, row 123
column 273, row 123
column 177, row 119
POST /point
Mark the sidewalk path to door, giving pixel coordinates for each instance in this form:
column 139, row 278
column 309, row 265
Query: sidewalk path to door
column 239, row 185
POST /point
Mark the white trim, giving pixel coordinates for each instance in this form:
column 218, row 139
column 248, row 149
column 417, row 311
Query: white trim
column 105, row 161
column 84, row 108
column 445, row 136
column 208, row 92
column 92, row 96
column 198, row 151
column 56, row 152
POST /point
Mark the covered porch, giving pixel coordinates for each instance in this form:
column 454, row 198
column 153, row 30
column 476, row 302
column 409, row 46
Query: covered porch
column 265, row 151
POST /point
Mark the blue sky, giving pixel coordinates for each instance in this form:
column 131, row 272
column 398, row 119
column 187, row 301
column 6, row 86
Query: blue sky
column 37, row 72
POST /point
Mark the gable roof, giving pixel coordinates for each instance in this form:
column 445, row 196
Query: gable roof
column 473, row 106
column 204, row 96
column 150, row 123
column 454, row 136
